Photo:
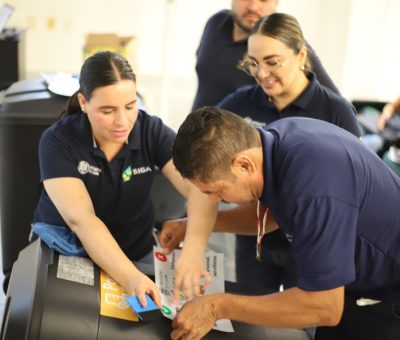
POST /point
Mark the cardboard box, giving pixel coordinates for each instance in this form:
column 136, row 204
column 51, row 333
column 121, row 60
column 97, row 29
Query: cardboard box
column 110, row 42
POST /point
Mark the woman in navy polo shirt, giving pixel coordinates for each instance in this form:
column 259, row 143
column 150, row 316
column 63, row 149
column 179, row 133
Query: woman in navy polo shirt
column 97, row 165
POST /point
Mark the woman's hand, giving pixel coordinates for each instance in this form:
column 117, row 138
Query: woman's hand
column 191, row 277
column 139, row 285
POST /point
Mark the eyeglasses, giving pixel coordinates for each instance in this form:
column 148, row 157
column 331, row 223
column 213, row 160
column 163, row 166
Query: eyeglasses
column 251, row 67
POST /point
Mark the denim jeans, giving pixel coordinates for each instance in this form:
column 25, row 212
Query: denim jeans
column 64, row 241
column 60, row 238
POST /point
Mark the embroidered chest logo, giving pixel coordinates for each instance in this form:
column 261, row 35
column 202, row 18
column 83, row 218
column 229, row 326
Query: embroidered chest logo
column 84, row 168
column 289, row 237
column 129, row 172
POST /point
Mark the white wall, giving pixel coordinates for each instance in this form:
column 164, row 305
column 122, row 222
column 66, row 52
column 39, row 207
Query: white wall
column 325, row 26
column 357, row 41
column 372, row 67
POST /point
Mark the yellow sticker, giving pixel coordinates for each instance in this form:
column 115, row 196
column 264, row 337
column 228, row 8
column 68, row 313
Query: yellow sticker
column 112, row 301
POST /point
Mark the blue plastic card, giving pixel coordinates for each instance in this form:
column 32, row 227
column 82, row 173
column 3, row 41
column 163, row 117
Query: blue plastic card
column 150, row 312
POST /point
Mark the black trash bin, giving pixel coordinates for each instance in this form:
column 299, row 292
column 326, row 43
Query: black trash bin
column 27, row 108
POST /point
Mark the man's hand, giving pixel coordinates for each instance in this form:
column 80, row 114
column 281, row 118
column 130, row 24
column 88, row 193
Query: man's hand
column 195, row 319
column 172, row 233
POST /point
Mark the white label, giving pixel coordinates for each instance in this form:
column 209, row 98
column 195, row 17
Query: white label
column 75, row 268
column 164, row 266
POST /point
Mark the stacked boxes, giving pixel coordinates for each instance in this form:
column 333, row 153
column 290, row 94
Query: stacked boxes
column 110, row 42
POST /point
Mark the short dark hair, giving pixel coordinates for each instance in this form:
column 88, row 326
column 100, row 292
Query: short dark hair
column 286, row 29
column 101, row 69
column 207, row 142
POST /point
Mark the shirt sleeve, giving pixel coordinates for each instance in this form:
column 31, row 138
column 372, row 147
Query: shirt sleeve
column 56, row 157
column 346, row 117
column 239, row 101
column 323, row 240
column 160, row 138
column 229, row 102
column 319, row 70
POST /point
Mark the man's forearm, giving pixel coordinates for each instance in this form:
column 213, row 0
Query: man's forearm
column 292, row 308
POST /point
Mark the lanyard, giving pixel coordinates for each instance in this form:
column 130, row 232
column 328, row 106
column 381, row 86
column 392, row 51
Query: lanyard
column 262, row 215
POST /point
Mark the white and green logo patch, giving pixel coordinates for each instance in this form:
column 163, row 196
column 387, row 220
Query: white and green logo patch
column 127, row 174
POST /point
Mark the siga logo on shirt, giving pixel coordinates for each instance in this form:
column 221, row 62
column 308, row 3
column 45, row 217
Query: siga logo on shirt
column 129, row 172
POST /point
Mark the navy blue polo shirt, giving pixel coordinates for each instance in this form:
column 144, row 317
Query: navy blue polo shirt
column 217, row 59
column 338, row 205
column 316, row 101
column 120, row 189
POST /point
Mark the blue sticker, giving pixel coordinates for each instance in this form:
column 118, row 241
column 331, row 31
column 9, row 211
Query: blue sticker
column 138, row 308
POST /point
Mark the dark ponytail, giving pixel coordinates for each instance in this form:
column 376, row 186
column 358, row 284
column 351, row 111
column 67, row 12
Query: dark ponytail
column 72, row 105
column 101, row 69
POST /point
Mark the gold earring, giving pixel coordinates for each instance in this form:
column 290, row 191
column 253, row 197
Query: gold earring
column 302, row 68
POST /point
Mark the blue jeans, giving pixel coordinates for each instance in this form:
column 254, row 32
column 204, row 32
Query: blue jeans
column 64, row 241
column 60, row 238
